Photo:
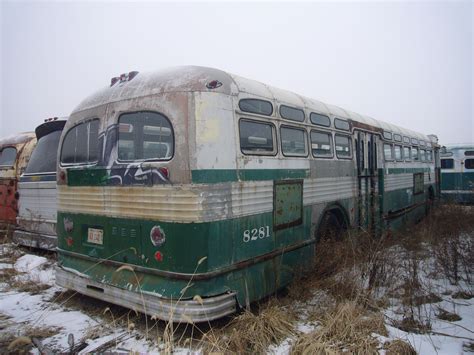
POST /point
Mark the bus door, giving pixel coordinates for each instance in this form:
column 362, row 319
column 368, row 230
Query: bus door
column 367, row 177
column 288, row 226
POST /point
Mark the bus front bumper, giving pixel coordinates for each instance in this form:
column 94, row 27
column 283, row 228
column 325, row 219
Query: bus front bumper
column 183, row 311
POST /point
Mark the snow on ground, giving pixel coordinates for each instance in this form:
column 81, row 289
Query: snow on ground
column 20, row 311
column 457, row 332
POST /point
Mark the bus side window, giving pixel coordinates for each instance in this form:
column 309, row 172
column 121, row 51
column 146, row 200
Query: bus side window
column 388, row 152
column 407, row 153
column 429, row 156
column 415, row 155
column 257, row 137
column 422, row 155
column 447, row 163
column 319, row 119
column 293, row 142
column 398, row 152
column 7, row 156
column 343, row 146
column 321, row 144
column 469, row 164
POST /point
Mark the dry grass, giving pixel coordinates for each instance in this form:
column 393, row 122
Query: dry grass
column 28, row 285
column 23, row 344
column 447, row 316
column 252, row 333
column 356, row 274
column 399, row 347
column 412, row 324
column 362, row 270
column 348, row 327
column 463, row 295
column 469, row 346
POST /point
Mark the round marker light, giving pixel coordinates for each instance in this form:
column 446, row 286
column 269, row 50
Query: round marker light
column 157, row 236
column 158, row 256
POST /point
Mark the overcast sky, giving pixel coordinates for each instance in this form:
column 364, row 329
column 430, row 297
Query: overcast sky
column 407, row 63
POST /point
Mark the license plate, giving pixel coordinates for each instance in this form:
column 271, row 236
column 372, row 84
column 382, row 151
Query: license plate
column 95, row 236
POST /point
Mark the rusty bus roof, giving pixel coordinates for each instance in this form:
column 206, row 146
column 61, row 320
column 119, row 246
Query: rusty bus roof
column 17, row 138
column 195, row 78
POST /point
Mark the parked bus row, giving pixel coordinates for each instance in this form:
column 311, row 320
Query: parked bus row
column 210, row 188
column 28, row 164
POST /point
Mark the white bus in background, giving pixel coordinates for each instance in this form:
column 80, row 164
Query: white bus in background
column 37, row 190
column 457, row 173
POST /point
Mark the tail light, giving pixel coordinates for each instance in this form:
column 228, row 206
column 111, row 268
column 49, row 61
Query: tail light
column 69, row 241
column 62, row 177
column 165, row 171
column 158, row 256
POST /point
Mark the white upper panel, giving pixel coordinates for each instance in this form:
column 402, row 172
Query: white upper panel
column 194, row 78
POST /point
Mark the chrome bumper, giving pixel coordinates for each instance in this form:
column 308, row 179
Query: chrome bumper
column 184, row 311
column 35, row 240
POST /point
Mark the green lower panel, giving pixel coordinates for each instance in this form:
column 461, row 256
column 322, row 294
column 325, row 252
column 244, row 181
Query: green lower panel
column 242, row 254
column 459, row 197
column 457, row 181
column 413, row 216
column 251, row 283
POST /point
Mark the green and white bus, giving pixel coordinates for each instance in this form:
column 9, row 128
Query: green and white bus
column 457, row 173
column 188, row 193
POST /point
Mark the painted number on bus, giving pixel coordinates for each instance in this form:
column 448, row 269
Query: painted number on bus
column 256, row 233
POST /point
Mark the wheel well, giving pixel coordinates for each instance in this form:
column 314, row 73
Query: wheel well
column 339, row 214
column 332, row 216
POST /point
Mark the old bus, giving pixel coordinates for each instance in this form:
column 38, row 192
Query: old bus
column 189, row 192
column 457, row 173
column 15, row 152
column 36, row 219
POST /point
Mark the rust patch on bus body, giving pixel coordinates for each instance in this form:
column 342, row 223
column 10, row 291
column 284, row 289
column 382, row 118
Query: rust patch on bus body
column 24, row 144
column 365, row 126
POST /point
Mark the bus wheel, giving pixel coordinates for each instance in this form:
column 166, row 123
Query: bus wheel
column 430, row 200
column 330, row 228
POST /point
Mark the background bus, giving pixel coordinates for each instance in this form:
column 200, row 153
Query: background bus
column 36, row 219
column 457, row 173
column 15, row 152
column 189, row 192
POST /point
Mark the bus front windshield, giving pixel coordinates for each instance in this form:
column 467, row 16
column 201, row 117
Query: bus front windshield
column 7, row 156
column 43, row 159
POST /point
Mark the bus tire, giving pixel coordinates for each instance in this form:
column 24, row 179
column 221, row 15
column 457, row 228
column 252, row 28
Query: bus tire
column 330, row 227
